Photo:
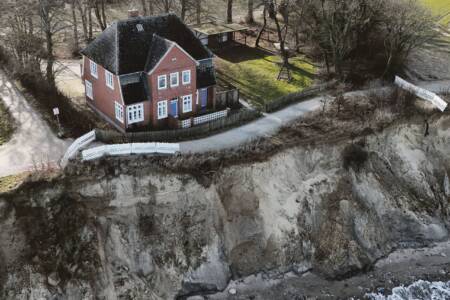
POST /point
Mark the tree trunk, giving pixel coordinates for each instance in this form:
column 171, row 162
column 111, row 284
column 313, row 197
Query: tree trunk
column 166, row 6
column 99, row 10
column 250, row 18
column 327, row 62
column 150, row 8
column 90, row 34
column 76, row 44
column 263, row 27
column 198, row 11
column 283, row 52
column 50, row 58
column 144, row 7
column 183, row 10
column 45, row 15
column 229, row 11
column 82, row 10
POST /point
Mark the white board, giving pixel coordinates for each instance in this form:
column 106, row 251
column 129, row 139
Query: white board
column 422, row 93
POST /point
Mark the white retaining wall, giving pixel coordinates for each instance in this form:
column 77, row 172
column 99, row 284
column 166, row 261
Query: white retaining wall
column 128, row 149
column 422, row 93
column 79, row 143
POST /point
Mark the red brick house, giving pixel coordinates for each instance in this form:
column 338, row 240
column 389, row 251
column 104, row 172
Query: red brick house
column 148, row 72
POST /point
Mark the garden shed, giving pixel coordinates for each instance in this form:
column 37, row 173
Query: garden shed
column 215, row 34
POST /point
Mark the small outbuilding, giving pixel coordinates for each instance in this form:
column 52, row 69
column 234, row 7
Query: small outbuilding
column 215, row 34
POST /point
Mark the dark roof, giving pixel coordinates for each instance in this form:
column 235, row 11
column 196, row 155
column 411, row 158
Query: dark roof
column 122, row 49
column 103, row 50
column 158, row 49
column 205, row 77
column 134, row 93
column 134, row 88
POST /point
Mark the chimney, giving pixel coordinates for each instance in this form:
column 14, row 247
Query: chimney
column 133, row 13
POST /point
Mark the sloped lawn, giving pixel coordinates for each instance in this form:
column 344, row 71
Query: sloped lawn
column 439, row 8
column 10, row 182
column 255, row 73
column 6, row 124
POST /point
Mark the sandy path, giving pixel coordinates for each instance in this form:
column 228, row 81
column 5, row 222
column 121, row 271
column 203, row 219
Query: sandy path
column 33, row 144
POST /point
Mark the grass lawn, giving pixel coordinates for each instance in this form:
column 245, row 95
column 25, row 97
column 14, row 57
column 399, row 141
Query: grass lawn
column 6, row 124
column 255, row 72
column 439, row 8
column 9, row 183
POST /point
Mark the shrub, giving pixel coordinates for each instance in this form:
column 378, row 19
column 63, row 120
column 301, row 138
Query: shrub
column 354, row 156
column 74, row 122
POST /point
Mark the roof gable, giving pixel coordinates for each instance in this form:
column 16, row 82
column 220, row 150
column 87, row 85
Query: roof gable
column 159, row 48
column 123, row 49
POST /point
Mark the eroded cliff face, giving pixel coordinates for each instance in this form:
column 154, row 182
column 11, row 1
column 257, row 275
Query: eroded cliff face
column 121, row 233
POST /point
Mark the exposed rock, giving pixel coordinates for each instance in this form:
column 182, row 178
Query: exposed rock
column 147, row 234
column 53, row 279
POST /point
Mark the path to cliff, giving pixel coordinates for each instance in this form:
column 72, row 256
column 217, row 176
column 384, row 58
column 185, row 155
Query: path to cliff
column 271, row 123
column 33, row 143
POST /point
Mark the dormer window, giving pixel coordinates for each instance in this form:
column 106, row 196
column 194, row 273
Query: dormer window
column 139, row 27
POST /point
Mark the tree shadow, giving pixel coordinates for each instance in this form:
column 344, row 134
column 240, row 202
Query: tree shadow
column 239, row 53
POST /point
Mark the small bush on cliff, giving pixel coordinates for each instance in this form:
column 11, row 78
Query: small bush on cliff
column 354, row 156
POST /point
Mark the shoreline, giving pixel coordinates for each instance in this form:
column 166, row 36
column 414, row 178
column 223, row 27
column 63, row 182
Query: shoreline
column 401, row 267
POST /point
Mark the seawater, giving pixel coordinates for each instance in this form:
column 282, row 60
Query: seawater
column 419, row 290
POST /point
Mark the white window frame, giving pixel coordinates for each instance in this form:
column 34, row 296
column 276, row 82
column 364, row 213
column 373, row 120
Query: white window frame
column 94, row 69
column 109, row 78
column 224, row 37
column 165, row 82
column 187, row 107
column 177, row 76
column 119, row 111
column 135, row 113
column 164, row 113
column 182, row 77
column 89, row 89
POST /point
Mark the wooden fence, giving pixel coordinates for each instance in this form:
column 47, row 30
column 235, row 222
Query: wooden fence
column 228, row 98
column 234, row 119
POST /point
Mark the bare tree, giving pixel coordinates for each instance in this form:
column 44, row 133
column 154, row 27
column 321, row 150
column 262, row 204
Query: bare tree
column 84, row 9
column 250, row 19
column 144, row 7
column 76, row 41
column 198, row 11
column 51, row 23
column 22, row 40
column 273, row 8
column 99, row 10
column 229, row 11
column 405, row 27
column 263, row 27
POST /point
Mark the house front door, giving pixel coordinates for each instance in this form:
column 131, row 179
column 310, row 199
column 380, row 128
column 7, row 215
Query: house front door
column 204, row 97
column 174, row 108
